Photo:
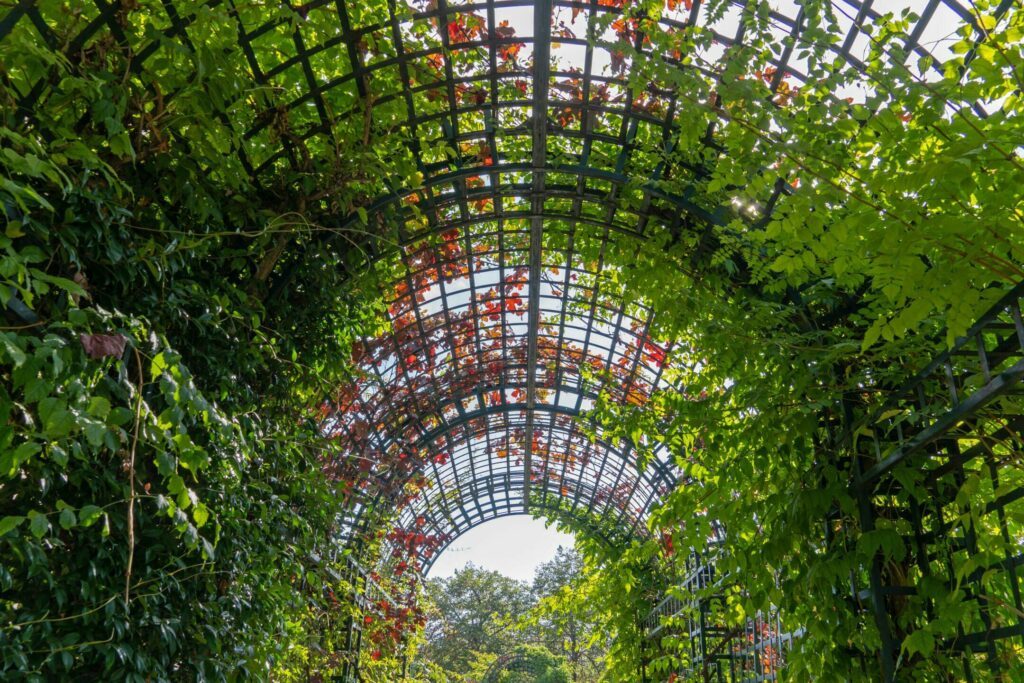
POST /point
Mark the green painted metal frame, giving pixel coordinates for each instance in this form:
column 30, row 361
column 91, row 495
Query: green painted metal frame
column 515, row 661
column 445, row 186
column 937, row 423
column 958, row 419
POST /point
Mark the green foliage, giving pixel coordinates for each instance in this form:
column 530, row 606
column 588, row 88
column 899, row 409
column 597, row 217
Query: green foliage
column 472, row 611
column 131, row 210
column 906, row 221
column 225, row 516
column 197, row 429
column 529, row 664
column 565, row 617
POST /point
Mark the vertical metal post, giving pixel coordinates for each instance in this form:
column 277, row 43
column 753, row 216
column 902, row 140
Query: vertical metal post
column 867, row 524
column 541, row 76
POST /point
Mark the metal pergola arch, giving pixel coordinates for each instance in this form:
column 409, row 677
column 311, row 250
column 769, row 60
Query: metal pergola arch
column 514, row 662
column 476, row 504
column 308, row 86
column 476, row 414
column 548, row 511
column 268, row 67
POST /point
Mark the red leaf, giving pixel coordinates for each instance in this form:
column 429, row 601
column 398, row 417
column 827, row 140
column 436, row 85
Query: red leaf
column 504, row 30
column 455, row 31
column 99, row 346
column 436, row 62
column 510, row 51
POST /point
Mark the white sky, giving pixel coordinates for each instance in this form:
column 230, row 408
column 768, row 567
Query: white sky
column 938, row 35
column 513, row 546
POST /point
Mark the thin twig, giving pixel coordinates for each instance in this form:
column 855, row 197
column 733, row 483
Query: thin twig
column 131, row 483
column 23, row 327
column 45, row 620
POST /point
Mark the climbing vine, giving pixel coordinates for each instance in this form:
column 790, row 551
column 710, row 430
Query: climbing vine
column 889, row 233
column 222, row 222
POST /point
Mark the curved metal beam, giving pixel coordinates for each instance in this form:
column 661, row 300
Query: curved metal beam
column 659, row 466
column 541, row 77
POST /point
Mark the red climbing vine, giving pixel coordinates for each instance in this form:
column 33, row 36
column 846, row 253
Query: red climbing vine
column 456, row 345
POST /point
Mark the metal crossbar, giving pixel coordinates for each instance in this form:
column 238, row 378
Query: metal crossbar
column 958, row 421
column 531, row 169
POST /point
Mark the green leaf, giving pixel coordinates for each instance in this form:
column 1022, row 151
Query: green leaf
column 872, row 335
column 67, row 518
column 89, row 514
column 886, row 541
column 58, row 455
column 77, row 316
column 57, row 420
column 920, row 641
column 94, row 433
column 69, row 286
column 37, row 524
column 176, row 484
column 12, row 350
column 194, row 459
column 99, row 407
column 159, row 365
column 200, row 514
column 120, row 416
column 12, row 460
column 36, row 389
column 10, row 523
column 14, row 229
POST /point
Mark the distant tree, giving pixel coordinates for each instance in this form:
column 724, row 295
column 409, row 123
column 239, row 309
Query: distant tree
column 472, row 612
column 563, row 616
column 532, row 664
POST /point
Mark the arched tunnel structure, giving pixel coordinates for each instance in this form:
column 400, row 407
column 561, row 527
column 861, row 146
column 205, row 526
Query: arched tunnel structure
column 533, row 149
column 480, row 383
column 538, row 151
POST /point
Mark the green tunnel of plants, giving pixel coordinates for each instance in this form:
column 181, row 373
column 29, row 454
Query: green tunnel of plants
column 297, row 294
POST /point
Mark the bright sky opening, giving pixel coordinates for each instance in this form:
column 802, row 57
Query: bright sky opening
column 514, row 546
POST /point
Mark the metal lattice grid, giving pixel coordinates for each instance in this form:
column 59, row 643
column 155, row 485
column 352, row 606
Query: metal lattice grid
column 696, row 612
column 517, row 662
column 543, row 126
column 958, row 420
column 455, row 75
column 444, row 397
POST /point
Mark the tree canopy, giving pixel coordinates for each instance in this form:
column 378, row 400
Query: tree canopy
column 478, row 617
column 473, row 614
